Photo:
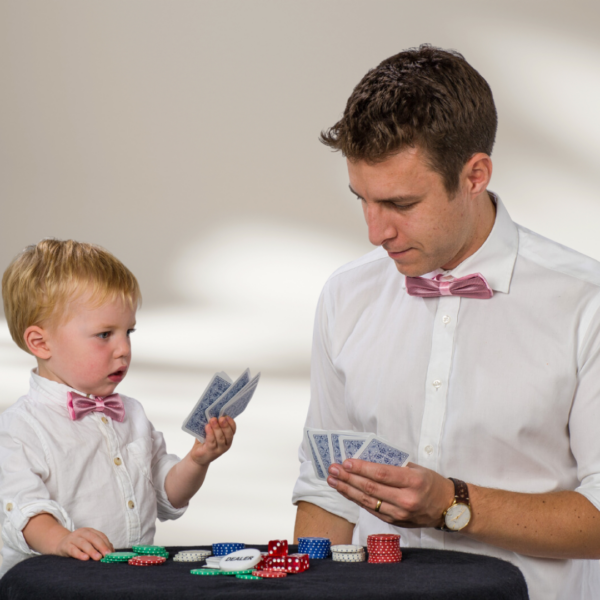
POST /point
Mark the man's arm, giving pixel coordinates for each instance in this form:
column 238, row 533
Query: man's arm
column 312, row 520
column 550, row 525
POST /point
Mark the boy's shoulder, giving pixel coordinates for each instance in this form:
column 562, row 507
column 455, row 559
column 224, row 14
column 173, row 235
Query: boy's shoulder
column 24, row 410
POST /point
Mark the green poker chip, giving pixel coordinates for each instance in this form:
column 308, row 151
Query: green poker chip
column 150, row 550
column 114, row 557
column 244, row 576
column 206, row 572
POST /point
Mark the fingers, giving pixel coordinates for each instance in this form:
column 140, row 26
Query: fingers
column 86, row 543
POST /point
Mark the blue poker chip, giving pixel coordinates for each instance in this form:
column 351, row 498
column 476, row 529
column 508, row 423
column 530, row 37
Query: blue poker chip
column 314, row 540
column 227, row 548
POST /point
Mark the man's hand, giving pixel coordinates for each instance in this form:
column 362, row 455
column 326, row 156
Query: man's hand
column 411, row 496
column 83, row 544
column 219, row 436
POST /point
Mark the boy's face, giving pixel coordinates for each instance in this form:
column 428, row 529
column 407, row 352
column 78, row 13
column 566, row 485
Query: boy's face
column 91, row 351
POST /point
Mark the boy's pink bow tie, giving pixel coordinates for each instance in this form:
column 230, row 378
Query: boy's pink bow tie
column 470, row 286
column 111, row 406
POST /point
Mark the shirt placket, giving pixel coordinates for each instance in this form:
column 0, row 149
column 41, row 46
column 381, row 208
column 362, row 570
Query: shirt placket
column 436, row 397
column 130, row 504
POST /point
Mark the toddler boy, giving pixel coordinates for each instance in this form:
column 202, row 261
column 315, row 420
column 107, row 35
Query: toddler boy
column 82, row 470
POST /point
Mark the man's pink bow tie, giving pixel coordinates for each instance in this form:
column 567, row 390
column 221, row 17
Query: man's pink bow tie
column 470, row 286
column 111, row 406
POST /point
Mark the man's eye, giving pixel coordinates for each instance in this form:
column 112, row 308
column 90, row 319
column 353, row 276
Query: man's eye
column 403, row 206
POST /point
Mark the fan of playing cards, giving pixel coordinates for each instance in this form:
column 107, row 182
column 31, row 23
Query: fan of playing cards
column 329, row 447
column 221, row 397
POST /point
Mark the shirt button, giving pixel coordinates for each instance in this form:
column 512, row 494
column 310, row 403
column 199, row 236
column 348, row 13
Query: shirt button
column 446, row 319
column 436, row 383
column 131, row 504
column 117, row 461
column 105, row 420
column 428, row 449
column 9, row 507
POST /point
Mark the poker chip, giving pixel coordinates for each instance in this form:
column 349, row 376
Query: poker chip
column 317, row 548
column 267, row 574
column 114, row 557
column 151, row 551
column 192, row 555
column 146, row 561
column 226, row 548
column 206, row 572
column 244, row 576
column 347, row 548
column 348, row 556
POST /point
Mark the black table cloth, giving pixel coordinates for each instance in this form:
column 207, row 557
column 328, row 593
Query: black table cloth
column 422, row 574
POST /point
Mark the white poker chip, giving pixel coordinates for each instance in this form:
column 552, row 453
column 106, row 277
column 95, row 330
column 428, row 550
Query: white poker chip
column 347, row 548
column 241, row 560
column 349, row 557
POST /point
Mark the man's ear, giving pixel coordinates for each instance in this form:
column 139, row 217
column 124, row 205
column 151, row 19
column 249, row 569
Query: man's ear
column 478, row 172
column 36, row 338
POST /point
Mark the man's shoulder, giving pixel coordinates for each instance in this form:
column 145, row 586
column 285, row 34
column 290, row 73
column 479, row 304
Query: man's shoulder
column 552, row 256
column 375, row 261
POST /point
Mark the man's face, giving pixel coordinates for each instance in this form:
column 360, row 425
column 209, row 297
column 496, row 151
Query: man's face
column 410, row 214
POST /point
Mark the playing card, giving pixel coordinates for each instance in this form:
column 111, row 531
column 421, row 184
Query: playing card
column 315, row 459
column 320, row 441
column 196, row 420
column 237, row 405
column 214, row 409
column 377, row 450
column 351, row 443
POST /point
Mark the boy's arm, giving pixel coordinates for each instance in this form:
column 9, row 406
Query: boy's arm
column 44, row 534
column 187, row 476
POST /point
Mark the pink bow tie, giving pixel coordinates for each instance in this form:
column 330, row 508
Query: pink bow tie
column 470, row 286
column 111, row 406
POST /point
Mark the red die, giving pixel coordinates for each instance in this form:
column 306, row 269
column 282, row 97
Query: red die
column 276, row 563
column 278, row 548
column 296, row 563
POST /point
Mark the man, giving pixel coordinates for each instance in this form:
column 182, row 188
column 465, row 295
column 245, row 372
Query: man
column 497, row 388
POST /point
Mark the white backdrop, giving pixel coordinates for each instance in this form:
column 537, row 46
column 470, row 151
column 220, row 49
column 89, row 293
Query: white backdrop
column 182, row 136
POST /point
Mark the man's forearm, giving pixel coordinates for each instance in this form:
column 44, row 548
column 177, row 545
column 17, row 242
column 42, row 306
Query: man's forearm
column 552, row 525
column 312, row 520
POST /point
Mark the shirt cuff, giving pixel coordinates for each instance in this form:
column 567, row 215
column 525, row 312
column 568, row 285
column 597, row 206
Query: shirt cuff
column 17, row 516
column 310, row 489
column 165, row 510
column 590, row 488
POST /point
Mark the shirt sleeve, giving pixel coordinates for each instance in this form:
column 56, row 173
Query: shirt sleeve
column 23, row 494
column 162, row 463
column 585, row 411
column 326, row 411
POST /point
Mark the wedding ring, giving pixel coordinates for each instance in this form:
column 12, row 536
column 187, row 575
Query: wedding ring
column 378, row 506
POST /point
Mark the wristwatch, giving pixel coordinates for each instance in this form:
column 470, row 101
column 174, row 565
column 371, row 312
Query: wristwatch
column 458, row 514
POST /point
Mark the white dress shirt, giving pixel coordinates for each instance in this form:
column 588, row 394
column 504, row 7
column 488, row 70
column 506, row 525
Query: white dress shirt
column 502, row 393
column 93, row 472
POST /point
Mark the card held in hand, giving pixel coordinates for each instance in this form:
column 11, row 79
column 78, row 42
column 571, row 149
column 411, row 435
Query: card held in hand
column 196, row 421
column 214, row 409
column 379, row 451
column 237, row 405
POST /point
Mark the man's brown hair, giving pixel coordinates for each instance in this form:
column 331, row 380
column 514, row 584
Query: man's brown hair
column 423, row 97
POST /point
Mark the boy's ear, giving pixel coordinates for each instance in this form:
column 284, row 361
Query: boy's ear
column 36, row 339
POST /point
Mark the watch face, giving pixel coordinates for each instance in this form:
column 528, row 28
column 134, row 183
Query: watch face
column 457, row 517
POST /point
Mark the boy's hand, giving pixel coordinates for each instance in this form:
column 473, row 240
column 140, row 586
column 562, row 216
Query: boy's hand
column 83, row 544
column 219, row 435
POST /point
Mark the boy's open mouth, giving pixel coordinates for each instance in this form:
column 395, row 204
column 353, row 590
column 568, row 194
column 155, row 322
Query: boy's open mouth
column 117, row 375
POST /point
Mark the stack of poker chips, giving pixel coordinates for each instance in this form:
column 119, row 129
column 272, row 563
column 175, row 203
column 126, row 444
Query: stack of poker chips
column 149, row 560
column 315, row 547
column 115, row 557
column 226, row 548
column 151, row 551
column 192, row 555
column 348, row 553
column 384, row 548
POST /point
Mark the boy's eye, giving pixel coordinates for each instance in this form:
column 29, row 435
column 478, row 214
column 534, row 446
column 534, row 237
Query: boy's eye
column 104, row 335
column 130, row 331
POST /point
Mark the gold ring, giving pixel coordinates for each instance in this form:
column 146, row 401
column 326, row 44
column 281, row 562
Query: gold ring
column 378, row 506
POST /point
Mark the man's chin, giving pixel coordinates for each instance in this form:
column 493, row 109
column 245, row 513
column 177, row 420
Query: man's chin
column 412, row 270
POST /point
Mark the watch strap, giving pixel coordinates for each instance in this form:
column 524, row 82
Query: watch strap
column 461, row 496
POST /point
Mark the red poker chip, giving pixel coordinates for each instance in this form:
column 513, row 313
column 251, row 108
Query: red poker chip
column 146, row 561
column 375, row 559
column 383, row 536
column 269, row 574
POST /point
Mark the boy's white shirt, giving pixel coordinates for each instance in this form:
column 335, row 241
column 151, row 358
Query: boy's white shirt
column 93, row 472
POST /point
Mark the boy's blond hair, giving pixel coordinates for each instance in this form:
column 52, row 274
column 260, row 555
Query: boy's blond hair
column 41, row 281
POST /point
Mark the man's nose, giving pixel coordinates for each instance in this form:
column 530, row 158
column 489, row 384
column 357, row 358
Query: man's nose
column 379, row 224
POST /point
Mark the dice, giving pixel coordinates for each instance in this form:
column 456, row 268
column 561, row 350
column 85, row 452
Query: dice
column 275, row 563
column 296, row 563
column 278, row 548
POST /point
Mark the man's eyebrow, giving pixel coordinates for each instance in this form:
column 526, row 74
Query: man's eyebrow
column 405, row 199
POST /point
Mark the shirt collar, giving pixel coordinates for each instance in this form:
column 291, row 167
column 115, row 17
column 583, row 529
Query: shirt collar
column 52, row 391
column 495, row 259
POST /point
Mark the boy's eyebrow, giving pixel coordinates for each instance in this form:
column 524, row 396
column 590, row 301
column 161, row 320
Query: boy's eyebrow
column 405, row 199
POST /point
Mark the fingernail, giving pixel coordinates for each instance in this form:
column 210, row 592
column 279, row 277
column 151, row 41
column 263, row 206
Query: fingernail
column 334, row 471
column 347, row 465
column 332, row 481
